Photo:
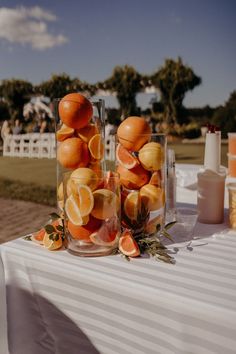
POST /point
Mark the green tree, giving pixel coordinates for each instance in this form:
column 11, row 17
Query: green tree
column 126, row 82
column 4, row 111
column 16, row 93
column 225, row 116
column 57, row 86
column 60, row 85
column 173, row 80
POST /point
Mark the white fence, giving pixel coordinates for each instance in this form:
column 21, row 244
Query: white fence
column 41, row 145
column 30, row 145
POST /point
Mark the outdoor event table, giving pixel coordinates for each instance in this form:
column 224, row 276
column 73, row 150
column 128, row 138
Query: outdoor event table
column 58, row 303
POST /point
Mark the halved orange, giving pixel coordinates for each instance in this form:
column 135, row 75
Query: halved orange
column 87, row 132
column 132, row 205
column 127, row 245
column 64, row 132
column 96, row 147
column 152, row 196
column 125, row 158
column 50, row 244
column 73, row 212
column 85, row 175
column 106, row 204
column 83, row 196
column 83, row 232
column 108, row 234
column 38, row 236
column 156, row 178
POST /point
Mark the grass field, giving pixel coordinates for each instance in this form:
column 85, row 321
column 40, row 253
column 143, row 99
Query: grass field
column 35, row 179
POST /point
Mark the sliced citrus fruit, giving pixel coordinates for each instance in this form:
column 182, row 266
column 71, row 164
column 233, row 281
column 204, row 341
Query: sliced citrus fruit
column 96, row 147
column 84, row 175
column 156, row 178
column 125, row 158
column 87, row 132
column 133, row 179
column 108, row 234
column 73, row 212
column 38, row 236
column 132, row 205
column 64, row 132
column 127, row 244
column 106, row 204
column 152, row 196
column 52, row 244
column 83, row 232
column 84, row 199
column 151, row 156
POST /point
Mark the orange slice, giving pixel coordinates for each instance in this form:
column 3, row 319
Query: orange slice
column 38, row 236
column 132, row 205
column 107, row 235
column 83, row 232
column 125, row 158
column 156, row 178
column 64, row 132
column 87, row 132
column 73, row 212
column 106, row 204
column 96, row 147
column 152, row 196
column 84, row 199
column 85, row 175
column 127, row 245
column 52, row 245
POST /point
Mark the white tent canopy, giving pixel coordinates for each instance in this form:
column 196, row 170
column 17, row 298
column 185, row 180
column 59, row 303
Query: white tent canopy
column 37, row 106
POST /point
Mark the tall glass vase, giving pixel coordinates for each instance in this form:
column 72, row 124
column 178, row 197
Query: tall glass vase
column 83, row 147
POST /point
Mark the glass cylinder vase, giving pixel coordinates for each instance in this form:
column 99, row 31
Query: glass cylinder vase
column 143, row 184
column 91, row 212
column 78, row 146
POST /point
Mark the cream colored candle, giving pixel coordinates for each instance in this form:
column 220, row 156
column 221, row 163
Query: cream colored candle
column 211, row 187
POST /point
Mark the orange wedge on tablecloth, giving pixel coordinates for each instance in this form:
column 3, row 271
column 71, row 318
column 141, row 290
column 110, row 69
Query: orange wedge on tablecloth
column 127, row 245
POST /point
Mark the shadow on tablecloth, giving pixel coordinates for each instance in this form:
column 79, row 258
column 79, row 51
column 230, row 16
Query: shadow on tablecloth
column 36, row 326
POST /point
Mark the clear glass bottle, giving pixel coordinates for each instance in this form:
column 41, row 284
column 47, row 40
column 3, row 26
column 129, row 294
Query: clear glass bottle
column 170, row 187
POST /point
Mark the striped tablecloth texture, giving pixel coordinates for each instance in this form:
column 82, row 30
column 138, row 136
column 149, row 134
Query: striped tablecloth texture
column 59, row 304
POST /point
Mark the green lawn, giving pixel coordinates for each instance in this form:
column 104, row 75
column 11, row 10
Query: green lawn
column 194, row 153
column 35, row 179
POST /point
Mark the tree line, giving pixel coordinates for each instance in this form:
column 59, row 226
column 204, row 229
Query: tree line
column 172, row 80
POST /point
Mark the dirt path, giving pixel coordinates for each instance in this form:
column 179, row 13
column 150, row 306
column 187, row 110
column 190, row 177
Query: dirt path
column 18, row 218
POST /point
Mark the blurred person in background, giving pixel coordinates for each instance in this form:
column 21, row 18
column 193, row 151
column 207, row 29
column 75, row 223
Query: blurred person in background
column 17, row 128
column 6, row 129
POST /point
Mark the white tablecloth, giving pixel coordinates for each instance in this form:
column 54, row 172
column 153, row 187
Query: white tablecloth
column 58, row 303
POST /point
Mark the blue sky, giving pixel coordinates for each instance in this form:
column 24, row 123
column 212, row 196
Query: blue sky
column 88, row 38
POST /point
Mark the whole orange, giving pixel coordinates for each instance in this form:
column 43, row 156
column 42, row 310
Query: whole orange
column 83, row 232
column 133, row 133
column 134, row 178
column 75, row 110
column 73, row 153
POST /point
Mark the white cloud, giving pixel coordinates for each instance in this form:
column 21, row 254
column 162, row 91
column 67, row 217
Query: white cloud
column 29, row 26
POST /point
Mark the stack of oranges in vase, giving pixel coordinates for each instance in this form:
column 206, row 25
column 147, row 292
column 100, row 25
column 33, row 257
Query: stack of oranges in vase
column 140, row 160
column 89, row 196
column 79, row 135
